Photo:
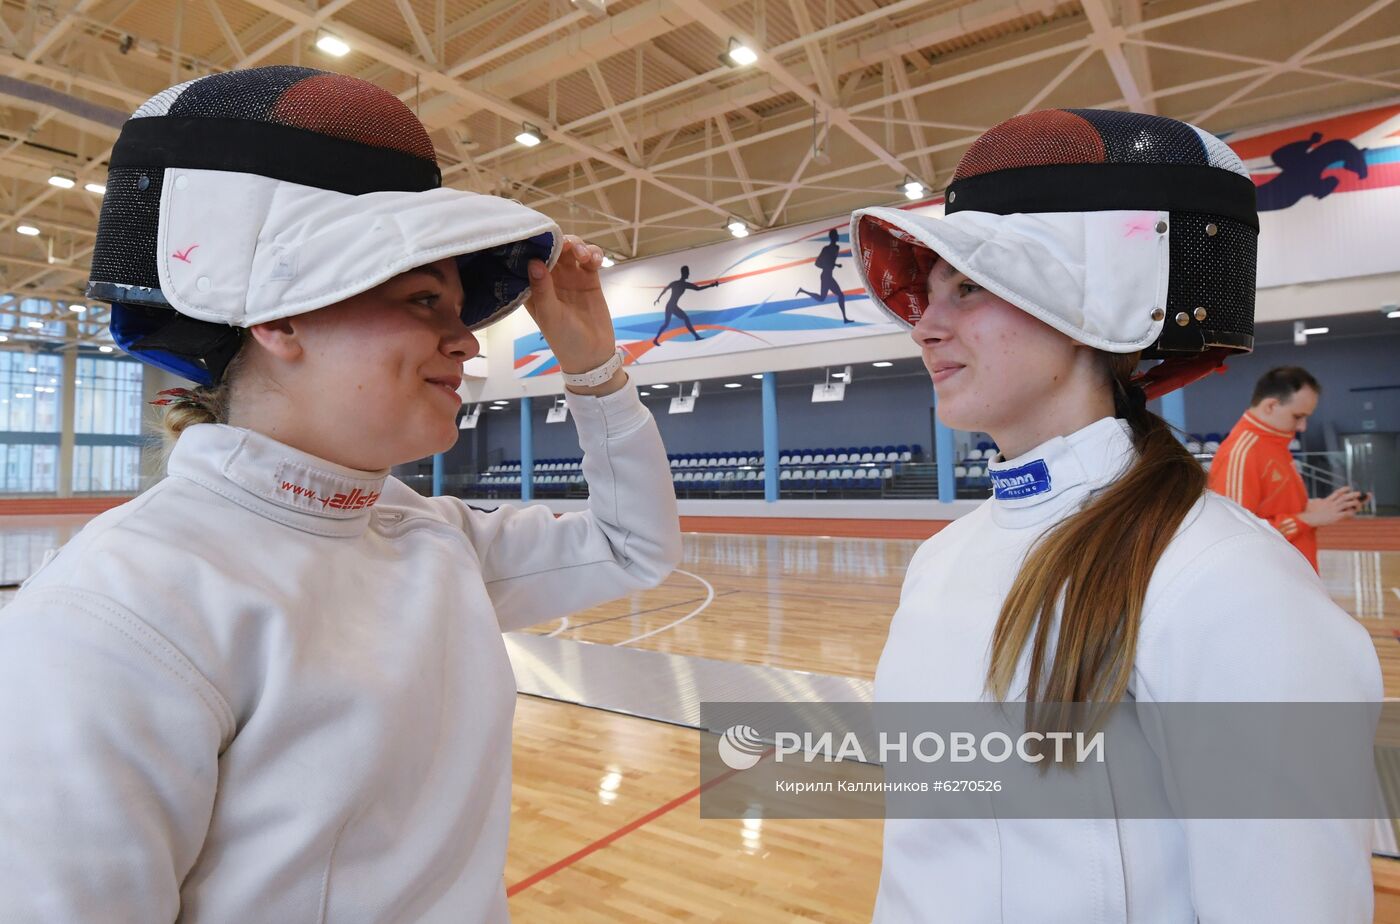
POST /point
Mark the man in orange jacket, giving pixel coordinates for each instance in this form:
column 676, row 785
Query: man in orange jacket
column 1255, row 469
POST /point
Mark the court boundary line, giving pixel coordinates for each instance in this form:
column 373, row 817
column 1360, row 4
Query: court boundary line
column 709, row 598
column 592, row 848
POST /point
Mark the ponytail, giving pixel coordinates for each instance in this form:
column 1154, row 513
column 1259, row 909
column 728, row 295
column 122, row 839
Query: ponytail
column 185, row 407
column 1094, row 568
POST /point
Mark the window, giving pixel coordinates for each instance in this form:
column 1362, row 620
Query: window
column 100, row 468
column 109, row 396
column 30, row 404
column 107, row 423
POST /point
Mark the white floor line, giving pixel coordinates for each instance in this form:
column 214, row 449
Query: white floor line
column 563, row 624
column 709, row 598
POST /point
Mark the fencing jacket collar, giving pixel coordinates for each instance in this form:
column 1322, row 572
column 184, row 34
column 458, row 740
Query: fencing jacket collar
column 1042, row 484
column 276, row 481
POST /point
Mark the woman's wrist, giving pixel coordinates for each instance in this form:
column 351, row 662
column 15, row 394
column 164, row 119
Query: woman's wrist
column 613, row 384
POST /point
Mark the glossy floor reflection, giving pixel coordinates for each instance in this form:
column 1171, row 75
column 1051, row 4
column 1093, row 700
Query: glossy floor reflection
column 605, row 819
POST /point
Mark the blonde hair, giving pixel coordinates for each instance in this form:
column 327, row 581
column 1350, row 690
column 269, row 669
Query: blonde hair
column 200, row 405
column 1093, row 568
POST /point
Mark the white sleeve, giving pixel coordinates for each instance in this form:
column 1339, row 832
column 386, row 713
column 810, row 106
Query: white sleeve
column 1249, row 621
column 540, row 567
column 109, row 744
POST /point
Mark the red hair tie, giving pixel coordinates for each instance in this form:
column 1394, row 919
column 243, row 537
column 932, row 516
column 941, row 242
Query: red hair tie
column 177, row 396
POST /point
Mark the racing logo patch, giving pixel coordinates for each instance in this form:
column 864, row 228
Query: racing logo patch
column 1024, row 481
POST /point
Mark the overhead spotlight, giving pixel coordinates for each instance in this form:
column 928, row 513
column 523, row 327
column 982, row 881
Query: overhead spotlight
column 608, row 260
column 738, row 54
column 28, row 230
column 529, row 136
column 32, row 369
column 913, row 189
column 882, row 365
column 1391, row 311
column 63, row 181
column 596, row 8
column 77, row 309
column 105, row 349
column 738, row 228
column 95, row 188
column 36, row 325
column 733, row 385
column 4, row 338
column 756, row 375
column 332, row 45
column 661, row 385
column 1318, row 331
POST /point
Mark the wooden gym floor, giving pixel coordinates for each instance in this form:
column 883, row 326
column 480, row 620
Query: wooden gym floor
column 605, row 817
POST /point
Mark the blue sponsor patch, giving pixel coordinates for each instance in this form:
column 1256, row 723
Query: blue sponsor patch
column 1026, row 481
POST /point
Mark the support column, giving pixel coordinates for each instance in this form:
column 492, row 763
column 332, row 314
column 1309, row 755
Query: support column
column 67, row 423
column 1174, row 409
column 770, row 437
column 437, row 474
column 527, row 451
column 943, row 457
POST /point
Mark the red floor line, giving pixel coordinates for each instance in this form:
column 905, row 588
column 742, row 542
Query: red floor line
column 607, row 839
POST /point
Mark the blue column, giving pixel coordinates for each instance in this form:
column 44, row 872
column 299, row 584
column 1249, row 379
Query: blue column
column 770, row 437
column 943, row 456
column 437, row 474
column 1174, row 409
column 527, row 451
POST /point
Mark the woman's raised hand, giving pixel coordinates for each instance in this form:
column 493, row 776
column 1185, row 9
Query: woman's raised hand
column 568, row 305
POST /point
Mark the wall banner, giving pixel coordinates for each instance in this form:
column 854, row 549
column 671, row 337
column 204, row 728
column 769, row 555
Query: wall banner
column 1329, row 200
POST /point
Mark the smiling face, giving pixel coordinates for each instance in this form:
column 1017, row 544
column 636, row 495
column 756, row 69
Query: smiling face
column 371, row 382
column 998, row 370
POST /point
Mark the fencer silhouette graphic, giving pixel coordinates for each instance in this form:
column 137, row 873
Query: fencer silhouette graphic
column 673, row 305
column 1302, row 166
column 826, row 262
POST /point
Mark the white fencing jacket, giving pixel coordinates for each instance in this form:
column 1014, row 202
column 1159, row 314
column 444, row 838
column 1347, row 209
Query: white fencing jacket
column 274, row 689
column 1233, row 613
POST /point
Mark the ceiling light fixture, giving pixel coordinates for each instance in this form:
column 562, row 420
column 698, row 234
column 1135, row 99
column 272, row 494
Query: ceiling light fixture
column 913, row 189
column 332, row 45
column 96, row 188
column 738, row 54
column 738, row 227
column 882, row 365
column 63, row 181
column 529, row 136
column 28, row 230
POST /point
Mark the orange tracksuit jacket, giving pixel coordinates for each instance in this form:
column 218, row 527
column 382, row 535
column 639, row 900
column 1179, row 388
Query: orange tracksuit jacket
column 1255, row 470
